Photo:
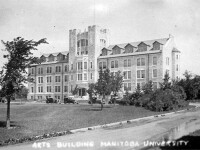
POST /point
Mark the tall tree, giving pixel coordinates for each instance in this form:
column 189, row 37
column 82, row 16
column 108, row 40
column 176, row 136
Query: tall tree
column 14, row 73
column 117, row 82
column 166, row 84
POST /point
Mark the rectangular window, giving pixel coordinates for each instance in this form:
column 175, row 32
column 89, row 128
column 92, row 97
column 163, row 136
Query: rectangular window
column 40, row 79
column 49, row 69
column 91, row 76
column 141, row 62
column 129, row 62
column 138, row 62
column 177, row 67
column 85, row 65
column 154, row 60
column 57, row 88
column 41, row 89
column 80, row 66
column 116, row 64
column 104, row 65
column 39, row 70
column 91, row 65
column 140, row 74
column 57, row 78
column 112, row 64
column 127, row 74
column 48, row 79
column 85, row 76
column 127, row 86
column 154, row 73
column 66, row 78
column 100, row 65
column 58, row 69
column 31, row 89
column 66, row 89
column 177, row 57
column 66, row 68
column 79, row 77
column 48, row 88
column 125, row 63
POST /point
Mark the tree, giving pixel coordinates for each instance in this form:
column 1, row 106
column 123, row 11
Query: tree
column 103, row 85
column 75, row 91
column 166, row 84
column 13, row 73
column 117, row 82
column 148, row 87
column 91, row 91
column 22, row 92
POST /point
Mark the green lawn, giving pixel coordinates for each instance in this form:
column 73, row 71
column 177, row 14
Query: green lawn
column 37, row 119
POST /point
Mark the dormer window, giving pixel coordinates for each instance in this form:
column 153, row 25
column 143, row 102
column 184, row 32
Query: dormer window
column 116, row 50
column 43, row 58
column 156, row 45
column 51, row 58
column 142, row 47
column 129, row 48
column 60, row 57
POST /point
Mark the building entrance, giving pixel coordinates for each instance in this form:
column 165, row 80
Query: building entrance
column 82, row 92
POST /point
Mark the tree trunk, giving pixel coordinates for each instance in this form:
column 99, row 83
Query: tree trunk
column 8, row 113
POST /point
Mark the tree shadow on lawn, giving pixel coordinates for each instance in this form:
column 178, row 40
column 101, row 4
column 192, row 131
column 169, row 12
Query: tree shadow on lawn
column 12, row 124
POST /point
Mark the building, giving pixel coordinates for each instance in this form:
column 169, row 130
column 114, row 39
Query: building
column 142, row 61
column 59, row 73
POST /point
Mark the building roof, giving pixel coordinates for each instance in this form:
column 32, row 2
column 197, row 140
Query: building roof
column 55, row 54
column 135, row 44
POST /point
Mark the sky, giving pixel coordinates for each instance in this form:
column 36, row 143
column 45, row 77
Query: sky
column 128, row 21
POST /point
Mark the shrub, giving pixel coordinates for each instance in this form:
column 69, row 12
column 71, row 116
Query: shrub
column 125, row 100
column 134, row 97
column 165, row 100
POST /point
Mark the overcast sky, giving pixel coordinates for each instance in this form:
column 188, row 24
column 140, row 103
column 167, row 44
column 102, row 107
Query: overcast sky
column 128, row 21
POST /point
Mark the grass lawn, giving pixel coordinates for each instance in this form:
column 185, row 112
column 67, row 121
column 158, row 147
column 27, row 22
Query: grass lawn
column 37, row 119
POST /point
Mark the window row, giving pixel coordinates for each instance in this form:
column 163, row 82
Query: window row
column 49, row 89
column 82, row 42
column 127, row 63
column 142, row 73
column 127, row 86
column 66, row 68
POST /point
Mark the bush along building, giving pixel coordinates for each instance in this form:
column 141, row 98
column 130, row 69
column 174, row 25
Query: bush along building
column 60, row 73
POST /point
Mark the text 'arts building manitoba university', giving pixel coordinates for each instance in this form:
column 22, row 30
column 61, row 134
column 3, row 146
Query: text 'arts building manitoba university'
column 140, row 62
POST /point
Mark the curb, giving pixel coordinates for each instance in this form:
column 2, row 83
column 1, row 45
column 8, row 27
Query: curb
column 125, row 122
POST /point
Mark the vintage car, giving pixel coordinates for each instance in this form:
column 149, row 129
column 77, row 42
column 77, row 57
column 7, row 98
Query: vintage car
column 51, row 100
column 70, row 100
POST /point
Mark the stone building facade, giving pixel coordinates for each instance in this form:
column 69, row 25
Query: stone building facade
column 59, row 73
column 142, row 61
